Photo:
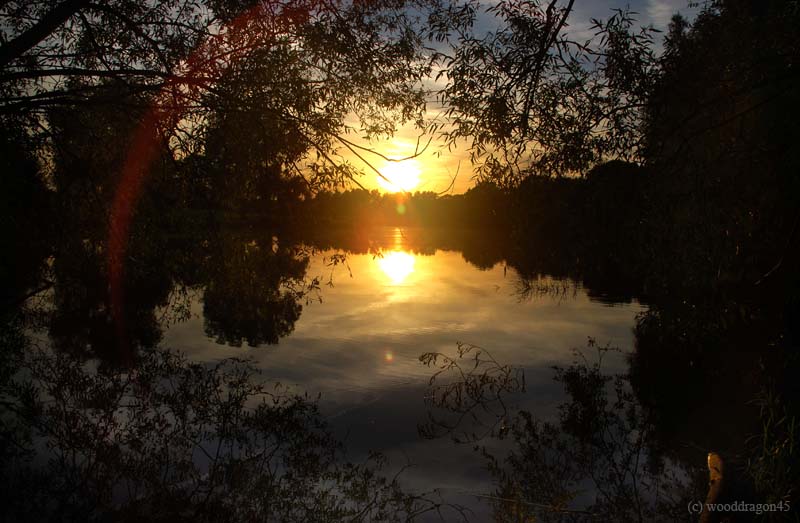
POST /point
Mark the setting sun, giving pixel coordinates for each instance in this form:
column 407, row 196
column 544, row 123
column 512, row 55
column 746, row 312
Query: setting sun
column 400, row 176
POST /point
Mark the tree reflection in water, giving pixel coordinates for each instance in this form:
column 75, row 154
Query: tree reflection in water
column 252, row 287
column 89, row 436
column 594, row 463
column 472, row 405
column 175, row 441
column 633, row 446
column 253, row 290
column 86, row 436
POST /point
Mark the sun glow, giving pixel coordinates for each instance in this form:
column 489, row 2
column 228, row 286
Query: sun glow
column 400, row 176
column 397, row 265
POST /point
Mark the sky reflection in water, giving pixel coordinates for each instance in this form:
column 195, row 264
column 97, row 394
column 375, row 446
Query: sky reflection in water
column 360, row 346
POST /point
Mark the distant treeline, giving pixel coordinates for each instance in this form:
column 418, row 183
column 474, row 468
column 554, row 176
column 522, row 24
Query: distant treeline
column 545, row 205
column 591, row 228
column 619, row 222
column 711, row 202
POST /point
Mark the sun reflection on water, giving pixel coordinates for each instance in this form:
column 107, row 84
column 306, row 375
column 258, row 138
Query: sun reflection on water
column 397, row 265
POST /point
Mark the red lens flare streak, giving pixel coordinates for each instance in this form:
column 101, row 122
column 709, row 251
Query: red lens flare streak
column 259, row 26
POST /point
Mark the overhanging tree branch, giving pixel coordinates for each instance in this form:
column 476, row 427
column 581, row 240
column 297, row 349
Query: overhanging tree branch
column 39, row 31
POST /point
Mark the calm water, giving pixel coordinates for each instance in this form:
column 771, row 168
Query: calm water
column 358, row 341
column 345, row 317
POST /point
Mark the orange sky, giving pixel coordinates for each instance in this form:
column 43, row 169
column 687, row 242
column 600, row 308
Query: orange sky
column 432, row 170
column 437, row 166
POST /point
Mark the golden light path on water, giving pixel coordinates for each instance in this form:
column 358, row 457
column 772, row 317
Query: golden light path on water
column 359, row 347
column 397, row 265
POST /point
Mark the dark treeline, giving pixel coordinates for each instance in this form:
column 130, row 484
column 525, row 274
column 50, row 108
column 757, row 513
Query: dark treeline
column 372, row 208
column 709, row 204
column 702, row 226
column 672, row 179
column 615, row 223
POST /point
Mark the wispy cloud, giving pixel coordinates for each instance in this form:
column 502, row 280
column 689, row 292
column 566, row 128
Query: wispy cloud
column 660, row 12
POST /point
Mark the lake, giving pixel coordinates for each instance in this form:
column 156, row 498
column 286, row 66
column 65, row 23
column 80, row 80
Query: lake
column 483, row 370
column 358, row 341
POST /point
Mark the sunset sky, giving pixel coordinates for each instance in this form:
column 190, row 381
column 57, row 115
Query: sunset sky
column 435, row 169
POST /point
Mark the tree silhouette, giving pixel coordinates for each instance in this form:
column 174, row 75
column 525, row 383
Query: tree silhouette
column 302, row 66
column 720, row 133
column 528, row 98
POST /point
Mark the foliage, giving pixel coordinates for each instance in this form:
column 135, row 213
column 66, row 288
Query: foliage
column 23, row 196
column 774, row 465
column 529, row 98
column 304, row 74
column 484, row 205
column 280, row 111
column 58, row 53
column 178, row 441
column 720, row 137
column 468, row 389
column 599, row 460
column 711, row 120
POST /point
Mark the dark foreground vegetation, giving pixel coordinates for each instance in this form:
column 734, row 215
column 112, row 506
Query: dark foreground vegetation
column 137, row 163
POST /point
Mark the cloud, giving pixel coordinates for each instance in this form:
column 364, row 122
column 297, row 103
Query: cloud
column 660, row 12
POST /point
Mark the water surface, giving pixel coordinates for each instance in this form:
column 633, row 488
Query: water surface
column 358, row 341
